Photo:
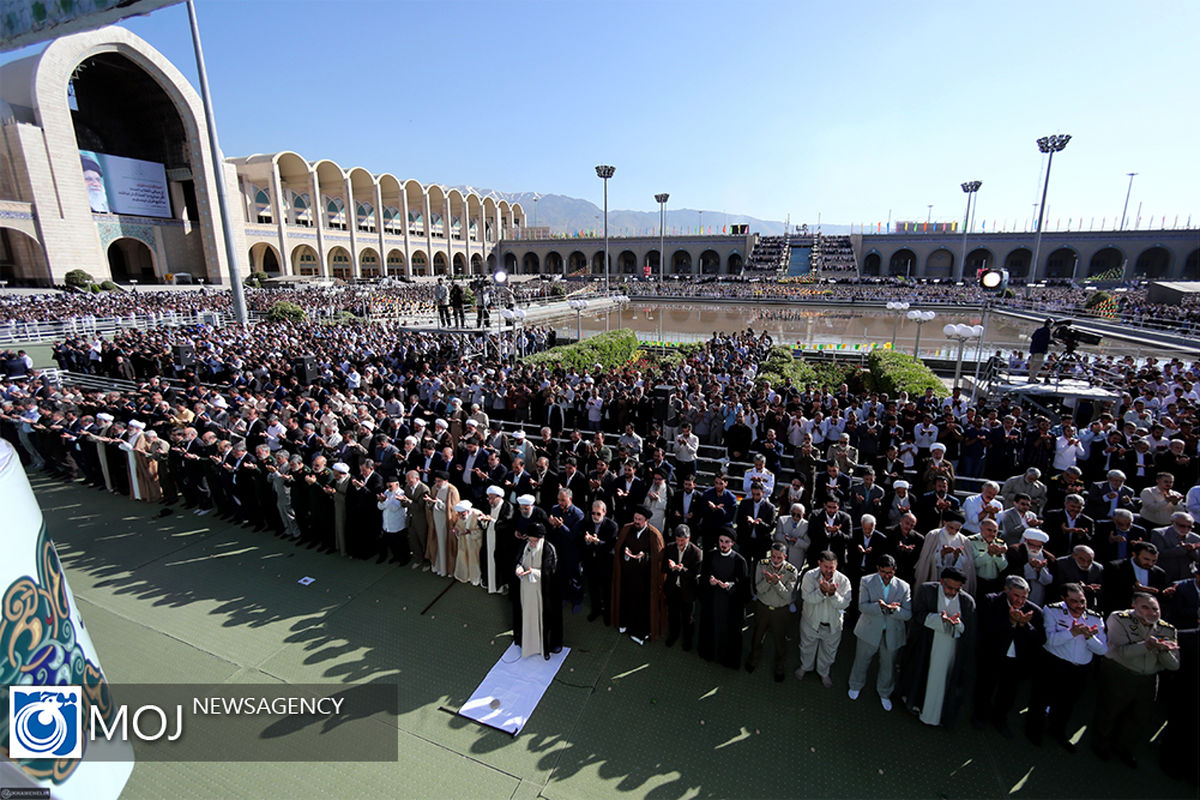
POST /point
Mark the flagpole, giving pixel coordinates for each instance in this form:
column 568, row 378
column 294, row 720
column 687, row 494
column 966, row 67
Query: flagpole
column 235, row 283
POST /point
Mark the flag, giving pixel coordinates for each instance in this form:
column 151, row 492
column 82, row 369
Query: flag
column 55, row 640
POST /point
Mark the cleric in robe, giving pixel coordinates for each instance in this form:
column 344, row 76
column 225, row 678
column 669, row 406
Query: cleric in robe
column 639, row 605
column 941, row 649
column 724, row 590
column 537, row 602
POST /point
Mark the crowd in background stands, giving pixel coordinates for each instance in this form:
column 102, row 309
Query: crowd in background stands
column 770, row 254
column 833, row 254
column 394, row 299
column 1080, row 533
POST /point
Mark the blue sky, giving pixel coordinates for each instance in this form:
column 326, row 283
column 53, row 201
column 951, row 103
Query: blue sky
column 846, row 110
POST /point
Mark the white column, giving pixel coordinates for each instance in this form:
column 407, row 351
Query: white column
column 285, row 259
column 428, row 233
column 352, row 224
column 404, row 226
column 379, row 229
column 318, row 213
column 449, row 235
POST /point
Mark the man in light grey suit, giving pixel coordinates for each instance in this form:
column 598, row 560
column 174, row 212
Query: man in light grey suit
column 885, row 606
column 792, row 530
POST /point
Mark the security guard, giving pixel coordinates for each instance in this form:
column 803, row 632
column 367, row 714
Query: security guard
column 1075, row 635
column 1140, row 645
column 775, row 580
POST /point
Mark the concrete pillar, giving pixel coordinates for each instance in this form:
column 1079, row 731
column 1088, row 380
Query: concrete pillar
column 428, row 233
column 318, row 213
column 448, row 234
column 404, row 226
column 281, row 222
column 352, row 224
column 382, row 264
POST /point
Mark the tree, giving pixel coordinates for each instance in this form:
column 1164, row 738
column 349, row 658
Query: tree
column 283, row 311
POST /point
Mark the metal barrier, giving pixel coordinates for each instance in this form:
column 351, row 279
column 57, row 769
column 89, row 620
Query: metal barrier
column 14, row 332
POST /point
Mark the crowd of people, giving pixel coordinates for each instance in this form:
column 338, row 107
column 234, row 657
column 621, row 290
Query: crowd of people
column 982, row 558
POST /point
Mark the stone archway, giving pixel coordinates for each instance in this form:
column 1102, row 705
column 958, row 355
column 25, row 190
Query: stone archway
column 265, row 258
column 940, row 264
column 1017, row 262
column 735, row 263
column 903, row 263
column 977, row 259
column 531, row 264
column 1104, row 260
column 872, row 263
column 460, row 264
column 554, row 263
column 476, row 264
column 1061, row 264
column 1191, row 266
column 22, row 259
column 627, row 263
column 681, row 262
column 710, row 263
column 577, row 263
column 1153, row 262
column 131, row 260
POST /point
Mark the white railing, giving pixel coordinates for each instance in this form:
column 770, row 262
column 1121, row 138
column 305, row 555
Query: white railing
column 13, row 332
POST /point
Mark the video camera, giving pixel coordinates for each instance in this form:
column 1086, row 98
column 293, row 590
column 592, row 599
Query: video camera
column 1072, row 337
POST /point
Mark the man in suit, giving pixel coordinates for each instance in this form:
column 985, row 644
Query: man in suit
column 1184, row 609
column 629, row 493
column 681, row 563
column 1068, row 526
column 1139, row 573
column 1178, row 546
column 1078, row 567
column 719, row 507
column 685, row 506
column 829, row 528
column 885, row 607
column 792, row 531
column 599, row 537
column 546, row 484
column 1110, row 494
column 931, row 505
column 1114, row 536
column 1011, row 635
column 863, row 550
column 416, row 491
column 518, row 482
column 834, row 481
column 755, row 524
column 572, row 478
column 867, row 497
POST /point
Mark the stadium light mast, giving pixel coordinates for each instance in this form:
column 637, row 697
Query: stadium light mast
column 231, row 254
column 1128, row 191
column 662, row 199
column 604, row 172
column 970, row 187
column 1050, row 145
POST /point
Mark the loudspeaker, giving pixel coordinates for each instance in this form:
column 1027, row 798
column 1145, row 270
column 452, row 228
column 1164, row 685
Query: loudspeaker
column 305, row 369
column 184, row 355
column 661, row 395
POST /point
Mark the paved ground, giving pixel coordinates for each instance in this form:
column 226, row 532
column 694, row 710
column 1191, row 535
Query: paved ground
column 190, row 599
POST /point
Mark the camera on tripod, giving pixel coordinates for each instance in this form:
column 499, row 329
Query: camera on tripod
column 1071, row 338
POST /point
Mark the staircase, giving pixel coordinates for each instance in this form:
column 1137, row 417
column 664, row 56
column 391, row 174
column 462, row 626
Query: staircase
column 769, row 258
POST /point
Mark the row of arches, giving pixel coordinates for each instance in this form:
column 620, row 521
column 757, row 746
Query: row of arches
column 623, row 262
column 305, row 260
column 285, row 186
column 1063, row 262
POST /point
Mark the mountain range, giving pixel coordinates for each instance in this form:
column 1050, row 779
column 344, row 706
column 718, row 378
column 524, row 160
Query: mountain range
column 562, row 214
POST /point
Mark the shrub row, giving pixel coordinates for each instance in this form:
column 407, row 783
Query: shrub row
column 610, row 350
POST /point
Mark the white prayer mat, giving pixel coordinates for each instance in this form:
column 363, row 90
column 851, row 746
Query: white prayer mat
column 512, row 689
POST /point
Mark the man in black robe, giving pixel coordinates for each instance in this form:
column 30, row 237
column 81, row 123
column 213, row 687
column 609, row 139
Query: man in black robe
column 932, row 599
column 551, row 620
column 724, row 589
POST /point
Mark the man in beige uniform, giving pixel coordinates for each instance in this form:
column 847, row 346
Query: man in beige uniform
column 1140, row 645
column 775, row 585
column 826, row 594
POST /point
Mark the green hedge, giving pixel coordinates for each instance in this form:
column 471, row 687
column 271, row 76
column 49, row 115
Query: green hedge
column 610, row 350
column 80, row 278
column 283, row 311
column 894, row 372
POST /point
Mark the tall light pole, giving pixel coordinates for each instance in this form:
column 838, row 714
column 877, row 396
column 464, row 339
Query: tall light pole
column 970, row 187
column 962, row 334
column 701, row 223
column 898, row 308
column 929, row 216
column 1051, row 145
column 605, row 172
column 920, row 317
column 1128, row 191
column 662, row 199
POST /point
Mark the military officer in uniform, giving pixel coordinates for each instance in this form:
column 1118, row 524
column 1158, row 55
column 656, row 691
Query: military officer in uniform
column 775, row 580
column 1075, row 636
column 1140, row 645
